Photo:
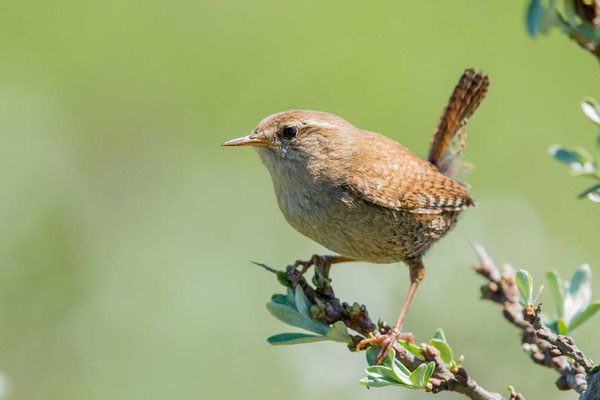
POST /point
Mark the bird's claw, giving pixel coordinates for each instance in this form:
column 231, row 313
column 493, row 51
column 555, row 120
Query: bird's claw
column 385, row 342
column 322, row 265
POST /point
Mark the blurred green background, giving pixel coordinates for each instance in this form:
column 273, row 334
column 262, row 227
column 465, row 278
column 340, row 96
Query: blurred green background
column 126, row 230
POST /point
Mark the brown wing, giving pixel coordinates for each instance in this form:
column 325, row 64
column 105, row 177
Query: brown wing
column 387, row 174
column 449, row 138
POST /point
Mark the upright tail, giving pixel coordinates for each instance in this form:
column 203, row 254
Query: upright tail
column 449, row 138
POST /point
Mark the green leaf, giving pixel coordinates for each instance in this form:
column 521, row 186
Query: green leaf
column 535, row 14
column 594, row 196
column 292, row 317
column 282, row 278
column 413, row 349
column 400, row 369
column 568, row 157
column 556, row 288
column 417, row 378
column 444, row 349
column 374, row 382
column 569, row 7
column 290, row 298
column 279, row 299
column 579, row 294
column 525, row 286
column 597, row 149
column 584, row 155
column 302, row 303
column 587, row 31
column 287, row 314
column 294, row 338
column 550, row 17
column 400, row 375
column 339, row 333
column 372, row 354
column 430, row 369
column 584, row 315
column 589, row 191
column 591, row 109
column 385, row 373
column 537, row 294
column 393, row 372
column 439, row 334
column 561, row 327
column 389, row 358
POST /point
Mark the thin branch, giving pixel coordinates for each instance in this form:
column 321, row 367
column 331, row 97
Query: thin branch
column 356, row 317
column 564, row 344
column 265, row 267
column 545, row 348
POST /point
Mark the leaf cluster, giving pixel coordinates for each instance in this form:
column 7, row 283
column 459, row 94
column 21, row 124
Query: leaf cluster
column 295, row 309
column 573, row 17
column 571, row 298
column 580, row 161
column 393, row 373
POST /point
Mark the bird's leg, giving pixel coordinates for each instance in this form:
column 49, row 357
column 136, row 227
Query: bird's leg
column 387, row 341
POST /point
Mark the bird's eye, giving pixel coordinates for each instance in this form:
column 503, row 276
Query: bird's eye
column 289, row 132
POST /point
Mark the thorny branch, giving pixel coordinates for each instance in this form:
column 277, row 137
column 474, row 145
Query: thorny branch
column 356, row 317
column 545, row 348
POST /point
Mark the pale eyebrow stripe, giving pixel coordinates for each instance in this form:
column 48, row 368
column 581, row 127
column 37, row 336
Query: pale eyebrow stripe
column 320, row 124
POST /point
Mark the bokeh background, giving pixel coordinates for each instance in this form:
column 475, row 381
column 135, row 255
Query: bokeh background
column 126, row 231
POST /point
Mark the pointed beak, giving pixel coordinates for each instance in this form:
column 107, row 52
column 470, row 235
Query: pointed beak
column 251, row 140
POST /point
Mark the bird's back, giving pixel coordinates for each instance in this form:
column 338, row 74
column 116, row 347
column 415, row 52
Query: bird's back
column 390, row 175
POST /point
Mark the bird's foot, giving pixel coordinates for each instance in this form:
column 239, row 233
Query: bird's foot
column 385, row 342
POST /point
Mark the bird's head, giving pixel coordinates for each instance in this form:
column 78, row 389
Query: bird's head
column 292, row 138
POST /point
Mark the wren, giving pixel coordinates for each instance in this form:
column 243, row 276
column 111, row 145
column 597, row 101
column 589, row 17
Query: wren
column 363, row 195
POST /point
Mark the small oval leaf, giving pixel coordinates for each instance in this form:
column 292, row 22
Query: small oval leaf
column 556, row 288
column 279, row 299
column 339, row 333
column 417, row 378
column 594, row 196
column 535, row 13
column 373, row 382
column 444, row 349
column 561, row 327
column 292, row 317
column 584, row 315
column 294, row 338
column 579, row 294
column 371, row 354
column 302, row 303
column 524, row 284
column 439, row 334
column 591, row 109
column 387, row 374
column 430, row 369
column 566, row 156
column 413, row 349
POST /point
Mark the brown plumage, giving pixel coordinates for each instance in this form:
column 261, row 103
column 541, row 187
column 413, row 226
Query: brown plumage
column 362, row 194
column 448, row 140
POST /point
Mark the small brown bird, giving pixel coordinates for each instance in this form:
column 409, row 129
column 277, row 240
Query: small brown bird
column 363, row 195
